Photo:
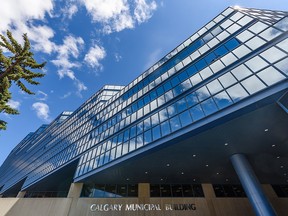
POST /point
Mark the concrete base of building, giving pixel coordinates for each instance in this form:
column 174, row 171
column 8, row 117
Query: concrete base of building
column 133, row 206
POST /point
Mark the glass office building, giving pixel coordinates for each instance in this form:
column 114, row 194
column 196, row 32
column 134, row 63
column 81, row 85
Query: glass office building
column 214, row 105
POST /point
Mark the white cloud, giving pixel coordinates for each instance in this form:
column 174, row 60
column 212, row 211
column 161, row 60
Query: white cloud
column 41, row 96
column 70, row 48
column 115, row 15
column 18, row 16
column 94, row 56
column 13, row 104
column 42, row 111
column 68, row 94
column 144, row 10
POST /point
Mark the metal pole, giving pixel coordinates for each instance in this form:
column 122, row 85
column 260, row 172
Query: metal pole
column 251, row 185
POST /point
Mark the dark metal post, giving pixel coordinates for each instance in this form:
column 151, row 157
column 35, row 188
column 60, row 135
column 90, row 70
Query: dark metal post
column 251, row 185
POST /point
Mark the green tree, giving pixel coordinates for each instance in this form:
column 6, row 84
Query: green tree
column 15, row 67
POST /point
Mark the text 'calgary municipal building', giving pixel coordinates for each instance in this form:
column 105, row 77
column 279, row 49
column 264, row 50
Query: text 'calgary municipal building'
column 204, row 131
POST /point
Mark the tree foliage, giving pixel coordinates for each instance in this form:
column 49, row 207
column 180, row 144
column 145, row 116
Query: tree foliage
column 16, row 63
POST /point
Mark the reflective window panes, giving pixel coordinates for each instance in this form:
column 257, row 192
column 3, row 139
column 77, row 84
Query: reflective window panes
column 222, row 100
column 255, row 43
column 270, row 75
column 282, row 66
column 252, row 84
column 241, row 72
column 197, row 112
column 214, row 86
column 258, row 27
column 282, row 24
column 273, row 54
column 195, row 79
column 283, row 45
column 236, row 16
column 175, row 123
column 185, row 118
column 202, row 93
column 237, row 92
column 244, row 36
column 256, row 64
column 165, row 128
column 241, row 51
column 245, row 20
column 205, row 73
column 227, row 80
column 228, row 59
column 270, row 33
column 191, row 99
column 217, row 66
column 209, row 106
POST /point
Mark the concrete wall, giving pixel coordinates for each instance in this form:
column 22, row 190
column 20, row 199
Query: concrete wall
column 81, row 206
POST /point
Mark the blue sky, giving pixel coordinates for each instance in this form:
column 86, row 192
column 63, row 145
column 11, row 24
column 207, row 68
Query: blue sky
column 90, row 43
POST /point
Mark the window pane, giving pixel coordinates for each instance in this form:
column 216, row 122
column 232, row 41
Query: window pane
column 217, row 66
column 202, row 93
column 227, row 80
column 147, row 137
column 270, row 76
column 270, row 33
column 197, row 112
column 241, row 72
column 163, row 115
column 282, row 66
column 156, row 132
column 214, row 86
column 222, row 100
column 241, row 51
column 273, row 54
column 283, row 24
column 185, row 118
column 228, row 59
column 175, row 123
column 191, row 99
column 253, row 84
column 165, row 128
column 195, row 79
column 205, row 73
column 237, row 92
column 255, row 42
column 256, row 63
column 258, row 27
column 244, row 36
column 209, row 106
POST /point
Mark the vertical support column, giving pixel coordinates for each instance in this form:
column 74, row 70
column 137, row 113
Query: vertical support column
column 21, row 194
column 144, row 193
column 75, row 190
column 209, row 195
column 251, row 186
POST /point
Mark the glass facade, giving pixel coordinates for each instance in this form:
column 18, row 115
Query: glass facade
column 240, row 54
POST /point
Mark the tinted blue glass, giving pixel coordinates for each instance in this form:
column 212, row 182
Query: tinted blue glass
column 196, row 112
column 133, row 131
column 147, row 124
column 146, row 99
column 183, row 76
column 156, row 132
column 177, row 90
column 185, row 118
column 153, row 95
column 165, row 128
column 163, row 115
column 201, row 64
column 175, row 81
column 181, row 105
column 126, row 136
column 231, row 44
column 222, row 100
column 139, row 141
column 160, row 91
column 220, row 51
column 210, row 58
column 175, row 123
column 140, row 128
column 140, row 104
column 167, row 86
column 191, row 70
column 191, row 99
column 209, row 106
column 147, row 137
column 134, row 108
